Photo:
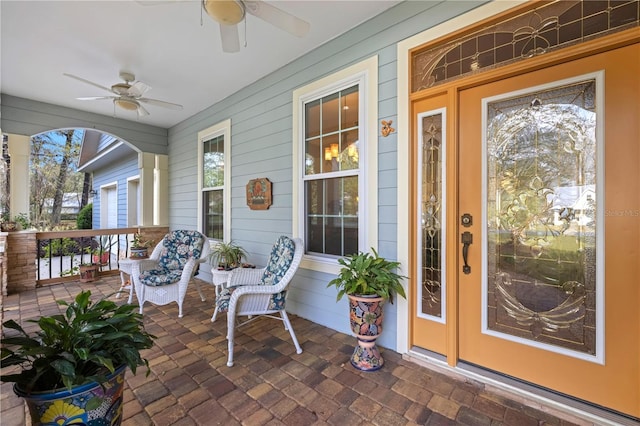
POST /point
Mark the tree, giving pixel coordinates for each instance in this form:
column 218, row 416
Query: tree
column 54, row 157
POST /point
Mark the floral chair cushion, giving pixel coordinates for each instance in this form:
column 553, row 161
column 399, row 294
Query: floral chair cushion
column 177, row 248
column 280, row 260
column 158, row 277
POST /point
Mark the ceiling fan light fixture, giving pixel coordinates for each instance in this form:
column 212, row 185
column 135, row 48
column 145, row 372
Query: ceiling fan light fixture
column 128, row 104
column 227, row 12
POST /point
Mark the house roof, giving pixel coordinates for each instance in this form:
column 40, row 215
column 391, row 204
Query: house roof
column 169, row 46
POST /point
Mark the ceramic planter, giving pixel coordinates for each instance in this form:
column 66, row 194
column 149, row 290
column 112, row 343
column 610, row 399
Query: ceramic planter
column 90, row 404
column 139, row 253
column 365, row 314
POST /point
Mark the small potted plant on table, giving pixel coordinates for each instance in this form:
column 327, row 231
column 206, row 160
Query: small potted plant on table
column 227, row 256
column 139, row 247
column 368, row 281
column 72, row 369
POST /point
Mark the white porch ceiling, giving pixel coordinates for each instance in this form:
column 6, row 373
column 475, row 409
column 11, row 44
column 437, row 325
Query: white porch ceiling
column 164, row 45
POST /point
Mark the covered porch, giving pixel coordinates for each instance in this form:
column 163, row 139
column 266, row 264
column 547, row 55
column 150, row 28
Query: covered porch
column 190, row 384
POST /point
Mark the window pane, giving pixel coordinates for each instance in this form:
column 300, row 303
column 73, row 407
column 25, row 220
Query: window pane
column 332, row 216
column 330, row 115
column 312, row 119
column 213, row 219
column 350, row 109
column 213, row 161
column 313, row 157
column 331, row 153
column 349, row 153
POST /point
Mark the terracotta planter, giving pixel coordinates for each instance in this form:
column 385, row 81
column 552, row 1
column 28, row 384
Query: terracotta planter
column 88, row 273
column 89, row 404
column 366, row 314
column 102, row 258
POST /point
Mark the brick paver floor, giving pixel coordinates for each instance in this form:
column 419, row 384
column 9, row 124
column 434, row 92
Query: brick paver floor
column 270, row 384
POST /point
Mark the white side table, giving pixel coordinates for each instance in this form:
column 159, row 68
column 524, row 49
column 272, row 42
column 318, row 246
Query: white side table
column 126, row 266
column 219, row 278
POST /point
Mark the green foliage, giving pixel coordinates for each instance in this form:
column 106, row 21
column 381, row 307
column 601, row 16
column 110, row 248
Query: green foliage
column 85, row 217
column 60, row 247
column 367, row 274
column 83, row 345
column 227, row 255
column 23, row 221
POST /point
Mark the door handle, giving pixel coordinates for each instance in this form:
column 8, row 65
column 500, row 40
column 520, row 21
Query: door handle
column 467, row 240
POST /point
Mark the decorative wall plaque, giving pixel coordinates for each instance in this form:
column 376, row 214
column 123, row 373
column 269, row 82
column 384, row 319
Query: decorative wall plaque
column 259, row 194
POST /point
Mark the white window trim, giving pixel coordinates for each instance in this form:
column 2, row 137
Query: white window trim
column 366, row 74
column 223, row 128
column 133, row 198
column 104, row 204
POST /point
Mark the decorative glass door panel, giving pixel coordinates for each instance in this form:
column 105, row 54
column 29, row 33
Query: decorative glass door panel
column 551, row 298
column 431, row 154
column 541, row 286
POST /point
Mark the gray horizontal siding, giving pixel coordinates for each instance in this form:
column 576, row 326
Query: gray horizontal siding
column 261, row 132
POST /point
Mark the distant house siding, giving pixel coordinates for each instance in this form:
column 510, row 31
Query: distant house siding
column 118, row 172
column 261, row 141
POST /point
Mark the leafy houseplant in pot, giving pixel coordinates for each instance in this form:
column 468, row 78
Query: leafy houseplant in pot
column 72, row 368
column 139, row 247
column 369, row 281
column 227, row 255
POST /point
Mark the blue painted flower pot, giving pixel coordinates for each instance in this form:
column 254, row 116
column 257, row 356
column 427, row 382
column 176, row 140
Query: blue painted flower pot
column 90, row 404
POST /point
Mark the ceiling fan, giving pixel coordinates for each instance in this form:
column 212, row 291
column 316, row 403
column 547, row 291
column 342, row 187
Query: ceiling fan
column 127, row 95
column 229, row 13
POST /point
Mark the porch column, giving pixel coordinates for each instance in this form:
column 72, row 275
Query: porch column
column 161, row 191
column 146, row 165
column 19, row 150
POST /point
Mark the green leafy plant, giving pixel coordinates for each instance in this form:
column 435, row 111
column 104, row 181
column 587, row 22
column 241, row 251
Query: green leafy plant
column 83, row 345
column 85, row 217
column 368, row 274
column 139, row 243
column 227, row 255
column 23, row 220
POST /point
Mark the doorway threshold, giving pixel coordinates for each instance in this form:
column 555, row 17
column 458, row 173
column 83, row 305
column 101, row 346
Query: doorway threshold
column 564, row 407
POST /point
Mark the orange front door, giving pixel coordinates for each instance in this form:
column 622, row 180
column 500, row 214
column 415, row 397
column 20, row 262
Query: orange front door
column 549, row 170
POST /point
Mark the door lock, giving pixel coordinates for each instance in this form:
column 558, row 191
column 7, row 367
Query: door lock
column 466, row 220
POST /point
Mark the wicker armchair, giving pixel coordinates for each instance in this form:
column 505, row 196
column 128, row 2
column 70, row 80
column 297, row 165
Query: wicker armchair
column 164, row 277
column 261, row 292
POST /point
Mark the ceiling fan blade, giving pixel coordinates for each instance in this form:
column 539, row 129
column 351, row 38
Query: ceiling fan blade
column 96, row 98
column 160, row 103
column 142, row 111
column 229, row 37
column 137, row 89
column 89, row 82
column 277, row 17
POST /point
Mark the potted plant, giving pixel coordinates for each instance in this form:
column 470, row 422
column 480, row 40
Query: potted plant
column 102, row 252
column 369, row 281
column 88, row 272
column 6, row 224
column 139, row 247
column 226, row 255
column 72, row 368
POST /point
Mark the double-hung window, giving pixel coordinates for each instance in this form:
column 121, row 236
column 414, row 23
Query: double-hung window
column 214, row 181
column 335, row 146
column 332, row 171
